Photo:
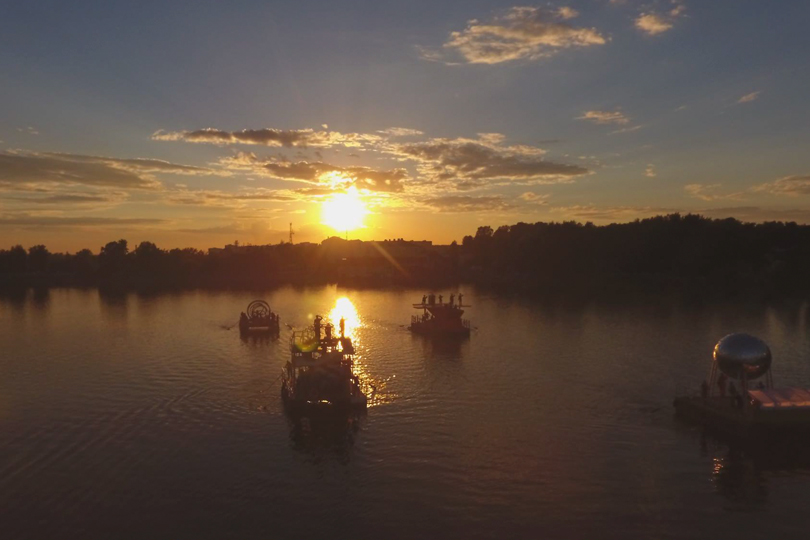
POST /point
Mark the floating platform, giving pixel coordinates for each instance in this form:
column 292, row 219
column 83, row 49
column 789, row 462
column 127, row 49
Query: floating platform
column 320, row 373
column 737, row 418
column 728, row 404
column 439, row 319
column 260, row 319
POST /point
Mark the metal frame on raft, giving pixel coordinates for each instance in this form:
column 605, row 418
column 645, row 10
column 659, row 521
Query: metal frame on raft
column 750, row 369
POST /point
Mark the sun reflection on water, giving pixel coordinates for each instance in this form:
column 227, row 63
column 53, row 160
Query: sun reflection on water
column 344, row 309
column 374, row 388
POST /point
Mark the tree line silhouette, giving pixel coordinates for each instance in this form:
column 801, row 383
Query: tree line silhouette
column 675, row 253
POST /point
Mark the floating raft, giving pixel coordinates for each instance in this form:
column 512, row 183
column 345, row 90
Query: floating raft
column 765, row 413
column 320, row 373
column 258, row 318
column 439, row 318
column 759, row 412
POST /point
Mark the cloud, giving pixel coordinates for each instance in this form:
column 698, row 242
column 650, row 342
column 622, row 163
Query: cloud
column 605, row 117
column 318, row 172
column 466, row 203
column 27, row 170
column 401, row 132
column 653, row 23
column 270, row 137
column 650, row 171
column 257, row 228
column 629, row 129
column 759, row 214
column 58, row 221
column 33, row 168
column 522, row 33
column 462, row 164
column 748, row 98
column 610, row 213
column 228, row 199
column 789, row 185
column 567, row 13
column 93, row 199
column 314, row 191
column 708, row 192
column 535, row 198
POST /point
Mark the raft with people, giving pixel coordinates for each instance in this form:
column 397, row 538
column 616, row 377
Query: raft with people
column 320, row 372
column 440, row 318
column 258, row 318
column 739, row 399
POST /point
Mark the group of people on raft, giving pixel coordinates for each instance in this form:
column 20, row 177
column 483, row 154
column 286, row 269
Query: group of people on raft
column 328, row 328
column 724, row 385
column 430, row 299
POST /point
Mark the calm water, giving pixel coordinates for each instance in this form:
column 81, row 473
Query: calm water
column 149, row 417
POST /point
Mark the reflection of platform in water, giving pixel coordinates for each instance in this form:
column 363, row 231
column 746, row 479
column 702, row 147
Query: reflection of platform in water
column 258, row 338
column 436, row 346
column 741, row 470
column 326, row 434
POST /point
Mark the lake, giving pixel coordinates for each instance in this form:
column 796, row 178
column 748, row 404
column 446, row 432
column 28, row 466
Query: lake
column 136, row 416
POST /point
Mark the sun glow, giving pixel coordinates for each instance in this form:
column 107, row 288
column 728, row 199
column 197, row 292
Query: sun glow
column 344, row 309
column 344, row 211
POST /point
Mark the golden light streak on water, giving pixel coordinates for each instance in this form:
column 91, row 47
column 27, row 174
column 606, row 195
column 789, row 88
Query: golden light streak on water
column 345, row 309
column 375, row 389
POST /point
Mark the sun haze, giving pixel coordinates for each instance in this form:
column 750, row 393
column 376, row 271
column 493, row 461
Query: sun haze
column 344, row 212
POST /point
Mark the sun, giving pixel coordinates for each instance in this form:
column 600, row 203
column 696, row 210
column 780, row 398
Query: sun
column 344, row 211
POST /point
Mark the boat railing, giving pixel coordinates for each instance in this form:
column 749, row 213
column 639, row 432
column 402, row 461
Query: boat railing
column 303, row 340
column 419, row 319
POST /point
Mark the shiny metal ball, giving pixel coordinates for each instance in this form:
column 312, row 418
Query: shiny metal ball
column 741, row 353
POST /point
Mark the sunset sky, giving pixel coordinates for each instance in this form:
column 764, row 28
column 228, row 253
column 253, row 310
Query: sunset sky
column 200, row 123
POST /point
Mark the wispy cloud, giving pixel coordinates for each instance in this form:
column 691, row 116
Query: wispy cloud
column 400, row 132
column 628, row 129
column 236, row 199
column 270, row 137
column 20, row 168
column 748, row 98
column 463, row 164
column 650, row 171
column 535, row 198
column 605, row 117
column 609, row 213
column 317, row 172
column 654, row 23
column 759, row 214
column 34, row 221
column 466, row 203
column 710, row 192
column 522, row 33
column 566, row 13
column 60, row 198
column 789, row 185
